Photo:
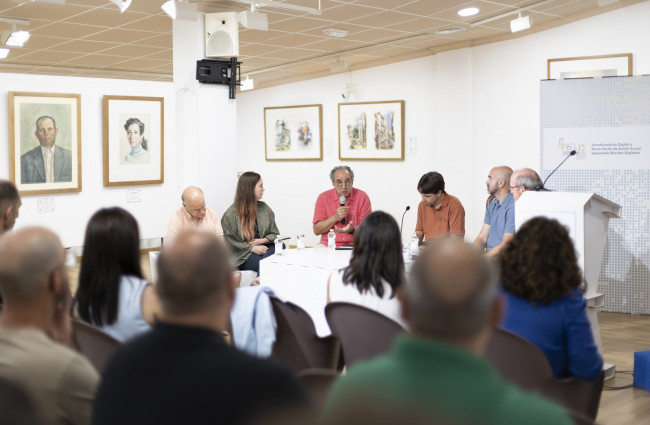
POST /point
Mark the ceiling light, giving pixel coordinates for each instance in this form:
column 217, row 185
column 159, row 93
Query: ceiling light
column 17, row 38
column 253, row 20
column 169, row 7
column 339, row 65
column 447, row 31
column 333, row 32
column 468, row 11
column 247, row 84
column 49, row 1
column 122, row 4
column 521, row 23
column 4, row 53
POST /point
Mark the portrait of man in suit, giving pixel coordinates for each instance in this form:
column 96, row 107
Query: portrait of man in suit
column 48, row 162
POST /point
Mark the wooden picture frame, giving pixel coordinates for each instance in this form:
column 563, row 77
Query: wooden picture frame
column 44, row 120
column 293, row 133
column 589, row 66
column 134, row 142
column 372, row 131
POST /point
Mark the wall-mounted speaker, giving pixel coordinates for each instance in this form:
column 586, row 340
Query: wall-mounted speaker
column 221, row 35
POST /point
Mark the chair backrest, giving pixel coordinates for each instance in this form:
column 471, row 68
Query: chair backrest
column 296, row 343
column 364, row 333
column 523, row 364
column 93, row 343
column 317, row 382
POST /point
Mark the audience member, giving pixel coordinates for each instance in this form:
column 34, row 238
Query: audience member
column 439, row 214
column 249, row 224
column 113, row 294
column 376, row 268
column 343, row 217
column 193, row 215
column 183, row 372
column 9, row 207
column 16, row 405
column 499, row 222
column 544, row 304
column 35, row 328
column 451, row 306
column 522, row 180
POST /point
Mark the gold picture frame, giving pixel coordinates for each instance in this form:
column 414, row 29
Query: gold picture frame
column 617, row 64
column 362, row 122
column 134, row 140
column 45, row 120
column 293, row 133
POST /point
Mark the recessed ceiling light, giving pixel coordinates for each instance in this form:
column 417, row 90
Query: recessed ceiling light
column 333, row 32
column 468, row 11
column 4, row 53
column 447, row 31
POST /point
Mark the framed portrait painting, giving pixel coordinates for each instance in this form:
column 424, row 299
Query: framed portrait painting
column 293, row 133
column 371, row 131
column 45, row 142
column 134, row 151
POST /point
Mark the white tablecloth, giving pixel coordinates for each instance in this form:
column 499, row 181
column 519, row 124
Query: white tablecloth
column 300, row 276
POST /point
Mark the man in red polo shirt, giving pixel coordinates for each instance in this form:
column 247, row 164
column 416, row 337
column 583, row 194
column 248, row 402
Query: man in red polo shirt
column 439, row 214
column 329, row 213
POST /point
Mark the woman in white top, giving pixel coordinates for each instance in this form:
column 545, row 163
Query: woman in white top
column 376, row 268
column 112, row 293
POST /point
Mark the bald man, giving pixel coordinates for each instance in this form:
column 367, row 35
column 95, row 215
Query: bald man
column 450, row 303
column 499, row 222
column 193, row 215
column 35, row 328
column 183, row 372
column 524, row 179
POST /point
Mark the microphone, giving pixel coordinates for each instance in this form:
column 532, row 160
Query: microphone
column 541, row 187
column 342, row 202
column 402, row 224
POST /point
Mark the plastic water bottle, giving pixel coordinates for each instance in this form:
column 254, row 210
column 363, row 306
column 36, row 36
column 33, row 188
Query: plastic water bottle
column 415, row 242
column 331, row 239
column 278, row 245
column 300, row 243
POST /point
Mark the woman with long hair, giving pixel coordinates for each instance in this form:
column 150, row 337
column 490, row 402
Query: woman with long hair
column 376, row 268
column 112, row 292
column 249, row 224
column 544, row 303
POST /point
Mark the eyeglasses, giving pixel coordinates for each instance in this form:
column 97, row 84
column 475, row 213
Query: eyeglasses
column 514, row 187
column 341, row 183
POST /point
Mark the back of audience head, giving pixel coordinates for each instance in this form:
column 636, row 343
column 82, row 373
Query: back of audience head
column 539, row 264
column 9, row 205
column 194, row 276
column 451, row 294
column 377, row 255
column 111, row 250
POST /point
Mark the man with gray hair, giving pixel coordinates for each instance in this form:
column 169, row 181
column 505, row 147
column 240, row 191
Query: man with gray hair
column 35, row 328
column 451, row 306
column 524, row 179
column 342, row 208
column 182, row 371
column 49, row 162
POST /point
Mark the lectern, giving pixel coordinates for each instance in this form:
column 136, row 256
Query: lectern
column 586, row 215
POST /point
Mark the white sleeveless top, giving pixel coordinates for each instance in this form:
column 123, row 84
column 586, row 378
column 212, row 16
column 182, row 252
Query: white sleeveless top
column 129, row 321
column 340, row 292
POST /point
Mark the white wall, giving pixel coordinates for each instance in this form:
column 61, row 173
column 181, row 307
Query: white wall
column 468, row 110
column 73, row 210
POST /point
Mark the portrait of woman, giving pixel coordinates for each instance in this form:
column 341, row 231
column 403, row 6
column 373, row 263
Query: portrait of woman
column 139, row 153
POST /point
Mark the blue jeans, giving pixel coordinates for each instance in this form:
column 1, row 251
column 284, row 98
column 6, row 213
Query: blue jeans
column 253, row 260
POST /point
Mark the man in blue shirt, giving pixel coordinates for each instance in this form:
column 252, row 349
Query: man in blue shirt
column 499, row 223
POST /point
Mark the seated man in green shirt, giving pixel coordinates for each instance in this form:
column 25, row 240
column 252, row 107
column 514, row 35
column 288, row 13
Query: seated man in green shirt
column 436, row 373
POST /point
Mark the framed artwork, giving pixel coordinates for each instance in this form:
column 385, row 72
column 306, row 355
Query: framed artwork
column 293, row 133
column 45, row 142
column 134, row 145
column 589, row 66
column 371, row 131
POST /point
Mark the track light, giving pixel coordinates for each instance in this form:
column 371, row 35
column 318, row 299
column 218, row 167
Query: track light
column 521, row 23
column 253, row 20
column 339, row 65
column 247, row 84
column 17, row 38
column 4, row 53
column 169, row 7
column 122, row 4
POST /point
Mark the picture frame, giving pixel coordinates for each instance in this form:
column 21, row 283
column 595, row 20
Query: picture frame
column 293, row 133
column 134, row 140
column 371, row 131
column 45, row 120
column 613, row 65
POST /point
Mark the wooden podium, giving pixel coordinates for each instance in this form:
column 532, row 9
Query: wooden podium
column 586, row 215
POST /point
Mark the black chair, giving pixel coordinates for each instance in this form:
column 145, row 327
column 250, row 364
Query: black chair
column 296, row 343
column 317, row 382
column 523, row 364
column 363, row 332
column 93, row 343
